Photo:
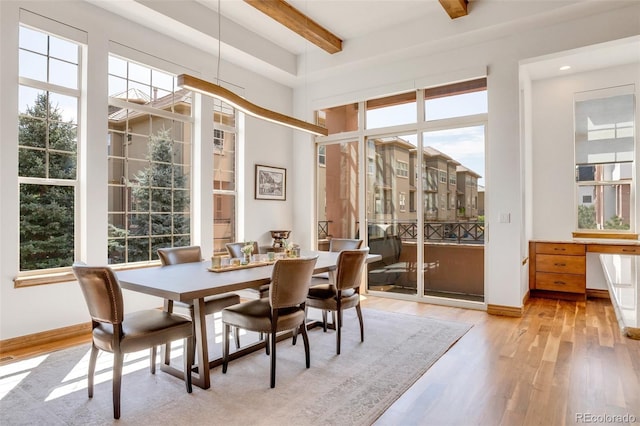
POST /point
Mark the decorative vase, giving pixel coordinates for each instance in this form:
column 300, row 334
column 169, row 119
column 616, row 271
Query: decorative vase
column 246, row 259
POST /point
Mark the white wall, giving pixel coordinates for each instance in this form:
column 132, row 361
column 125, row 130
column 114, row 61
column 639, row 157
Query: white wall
column 553, row 181
column 553, row 146
column 35, row 309
column 505, row 275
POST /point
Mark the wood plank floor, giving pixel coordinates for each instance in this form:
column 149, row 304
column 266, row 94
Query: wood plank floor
column 559, row 361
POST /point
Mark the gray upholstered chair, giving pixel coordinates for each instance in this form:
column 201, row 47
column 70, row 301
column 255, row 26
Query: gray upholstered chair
column 112, row 331
column 235, row 251
column 344, row 293
column 335, row 245
column 212, row 304
column 283, row 310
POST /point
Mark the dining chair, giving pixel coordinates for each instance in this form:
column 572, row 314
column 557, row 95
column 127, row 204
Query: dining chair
column 114, row 332
column 283, row 310
column 235, row 251
column 212, row 304
column 344, row 293
column 335, row 245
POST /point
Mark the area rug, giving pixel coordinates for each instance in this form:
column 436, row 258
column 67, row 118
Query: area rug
column 353, row 388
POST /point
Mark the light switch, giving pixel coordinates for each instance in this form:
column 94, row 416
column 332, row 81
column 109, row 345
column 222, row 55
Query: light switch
column 505, row 217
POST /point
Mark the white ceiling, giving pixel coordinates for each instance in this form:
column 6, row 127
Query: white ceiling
column 371, row 30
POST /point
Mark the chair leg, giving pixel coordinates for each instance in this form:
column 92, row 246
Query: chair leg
column 305, row 339
column 118, row 359
column 338, row 331
column 266, row 343
column 188, row 362
column 359, row 311
column 236, row 335
column 324, row 320
column 225, row 348
column 92, row 368
column 272, row 341
column 152, row 359
column 294, row 336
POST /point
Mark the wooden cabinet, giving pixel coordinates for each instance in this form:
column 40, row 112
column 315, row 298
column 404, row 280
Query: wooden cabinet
column 557, row 269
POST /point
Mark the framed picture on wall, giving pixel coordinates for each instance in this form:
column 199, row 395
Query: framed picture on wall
column 271, row 183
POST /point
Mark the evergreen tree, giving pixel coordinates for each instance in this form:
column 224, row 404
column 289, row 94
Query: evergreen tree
column 587, row 217
column 47, row 149
column 159, row 202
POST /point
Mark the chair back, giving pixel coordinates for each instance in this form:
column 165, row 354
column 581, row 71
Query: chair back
column 101, row 291
column 290, row 281
column 235, row 249
column 176, row 255
column 350, row 266
column 339, row 244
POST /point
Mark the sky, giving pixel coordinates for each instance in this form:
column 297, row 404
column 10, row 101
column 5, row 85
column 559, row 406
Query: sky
column 464, row 144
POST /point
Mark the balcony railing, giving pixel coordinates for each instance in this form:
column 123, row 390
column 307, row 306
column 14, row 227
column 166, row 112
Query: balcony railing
column 460, row 232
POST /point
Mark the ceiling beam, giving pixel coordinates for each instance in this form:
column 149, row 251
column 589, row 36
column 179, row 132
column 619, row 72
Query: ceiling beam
column 299, row 23
column 455, row 8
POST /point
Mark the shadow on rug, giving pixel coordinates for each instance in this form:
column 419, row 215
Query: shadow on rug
column 353, row 388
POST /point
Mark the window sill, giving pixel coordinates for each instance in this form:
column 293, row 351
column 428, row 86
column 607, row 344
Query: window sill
column 65, row 275
column 606, row 235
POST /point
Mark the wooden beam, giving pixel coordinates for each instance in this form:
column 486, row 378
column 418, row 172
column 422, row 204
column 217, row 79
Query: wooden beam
column 455, row 8
column 299, row 23
column 207, row 88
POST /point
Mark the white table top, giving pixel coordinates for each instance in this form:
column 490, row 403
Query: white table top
column 622, row 273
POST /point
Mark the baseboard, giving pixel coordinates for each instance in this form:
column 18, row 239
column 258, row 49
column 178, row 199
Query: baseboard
column 44, row 338
column 595, row 293
column 507, row 311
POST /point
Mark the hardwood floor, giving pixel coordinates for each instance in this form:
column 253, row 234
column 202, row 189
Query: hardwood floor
column 559, row 361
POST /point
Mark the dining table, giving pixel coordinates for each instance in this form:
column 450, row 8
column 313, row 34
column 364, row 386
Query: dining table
column 193, row 282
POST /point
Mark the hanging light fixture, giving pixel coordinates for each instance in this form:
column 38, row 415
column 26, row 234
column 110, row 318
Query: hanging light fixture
column 195, row 84
column 211, row 89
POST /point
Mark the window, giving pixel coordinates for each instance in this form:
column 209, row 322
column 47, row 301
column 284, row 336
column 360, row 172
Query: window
column 322, row 155
column 391, row 110
column 402, row 201
column 218, row 141
column 402, row 169
column 443, row 176
column 604, row 150
column 49, row 102
column 224, row 176
column 149, row 156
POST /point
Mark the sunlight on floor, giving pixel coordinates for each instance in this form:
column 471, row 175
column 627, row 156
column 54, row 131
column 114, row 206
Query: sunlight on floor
column 12, row 374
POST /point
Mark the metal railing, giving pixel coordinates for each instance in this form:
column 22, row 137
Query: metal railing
column 460, row 232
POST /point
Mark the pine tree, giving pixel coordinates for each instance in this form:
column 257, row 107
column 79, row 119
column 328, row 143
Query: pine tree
column 161, row 198
column 47, row 149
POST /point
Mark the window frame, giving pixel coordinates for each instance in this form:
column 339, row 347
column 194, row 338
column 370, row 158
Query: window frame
column 62, row 32
column 579, row 186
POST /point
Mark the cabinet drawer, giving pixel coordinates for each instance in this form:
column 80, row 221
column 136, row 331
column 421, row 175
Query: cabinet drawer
column 616, row 249
column 564, row 249
column 560, row 264
column 560, row 282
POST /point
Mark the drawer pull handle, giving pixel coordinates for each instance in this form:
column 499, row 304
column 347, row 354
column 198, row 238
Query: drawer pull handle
column 559, row 264
column 559, row 249
column 560, row 282
column 629, row 250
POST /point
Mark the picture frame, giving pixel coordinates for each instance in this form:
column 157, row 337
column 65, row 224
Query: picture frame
column 270, row 183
